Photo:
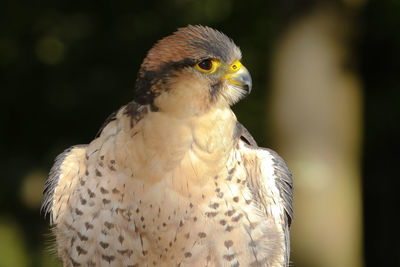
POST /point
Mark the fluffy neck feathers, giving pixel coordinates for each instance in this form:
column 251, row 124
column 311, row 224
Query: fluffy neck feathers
column 162, row 143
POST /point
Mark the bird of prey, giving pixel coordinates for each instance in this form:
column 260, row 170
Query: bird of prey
column 172, row 178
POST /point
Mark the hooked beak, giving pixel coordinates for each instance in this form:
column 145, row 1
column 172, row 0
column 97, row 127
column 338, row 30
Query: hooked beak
column 240, row 77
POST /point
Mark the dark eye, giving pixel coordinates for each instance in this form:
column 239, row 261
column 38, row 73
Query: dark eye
column 206, row 64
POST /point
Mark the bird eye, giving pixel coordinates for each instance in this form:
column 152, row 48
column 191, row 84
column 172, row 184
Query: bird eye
column 206, row 64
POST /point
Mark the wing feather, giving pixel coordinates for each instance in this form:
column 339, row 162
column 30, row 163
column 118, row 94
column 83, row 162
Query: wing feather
column 283, row 178
column 275, row 176
column 63, row 176
column 70, row 165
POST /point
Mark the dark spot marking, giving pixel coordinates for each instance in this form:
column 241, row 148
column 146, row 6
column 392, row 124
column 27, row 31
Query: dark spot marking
column 106, row 201
column 104, row 245
column 230, row 212
column 195, row 218
column 120, row 211
column 144, row 252
column 211, row 214
column 87, row 173
column 121, row 239
column 78, row 211
column 102, row 157
column 91, row 194
column 142, row 218
column 73, row 241
column 229, row 257
column 88, row 226
column 98, row 173
column 127, row 252
column 187, row 235
column 202, row 235
column 214, row 206
column 83, row 201
column 90, row 263
column 236, row 199
column 101, row 164
column 228, row 243
column 103, row 190
column 188, row 255
column 112, row 168
column 229, row 228
column 191, row 205
column 109, row 225
column 180, row 223
column 237, row 218
column 69, row 227
column 220, row 195
column 109, row 259
column 222, row 222
column 82, row 237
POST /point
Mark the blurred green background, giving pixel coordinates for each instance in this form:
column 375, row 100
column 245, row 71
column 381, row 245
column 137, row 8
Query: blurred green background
column 66, row 65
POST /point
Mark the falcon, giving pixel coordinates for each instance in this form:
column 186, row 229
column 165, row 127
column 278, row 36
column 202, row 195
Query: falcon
column 172, row 178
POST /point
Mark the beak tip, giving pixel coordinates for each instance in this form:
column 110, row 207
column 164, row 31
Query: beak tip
column 245, row 79
column 249, row 85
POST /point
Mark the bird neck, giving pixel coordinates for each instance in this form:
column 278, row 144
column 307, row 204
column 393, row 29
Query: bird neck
column 201, row 144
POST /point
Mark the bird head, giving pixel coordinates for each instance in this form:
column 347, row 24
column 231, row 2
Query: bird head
column 194, row 68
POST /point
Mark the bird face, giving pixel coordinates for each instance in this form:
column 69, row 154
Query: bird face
column 192, row 70
column 232, row 80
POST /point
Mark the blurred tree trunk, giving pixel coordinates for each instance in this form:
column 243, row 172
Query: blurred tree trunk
column 316, row 123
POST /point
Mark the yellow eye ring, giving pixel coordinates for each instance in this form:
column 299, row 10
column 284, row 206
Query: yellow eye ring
column 208, row 65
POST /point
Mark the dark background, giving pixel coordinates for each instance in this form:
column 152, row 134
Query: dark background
column 66, row 65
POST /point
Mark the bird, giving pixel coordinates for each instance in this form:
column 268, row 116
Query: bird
column 172, row 178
